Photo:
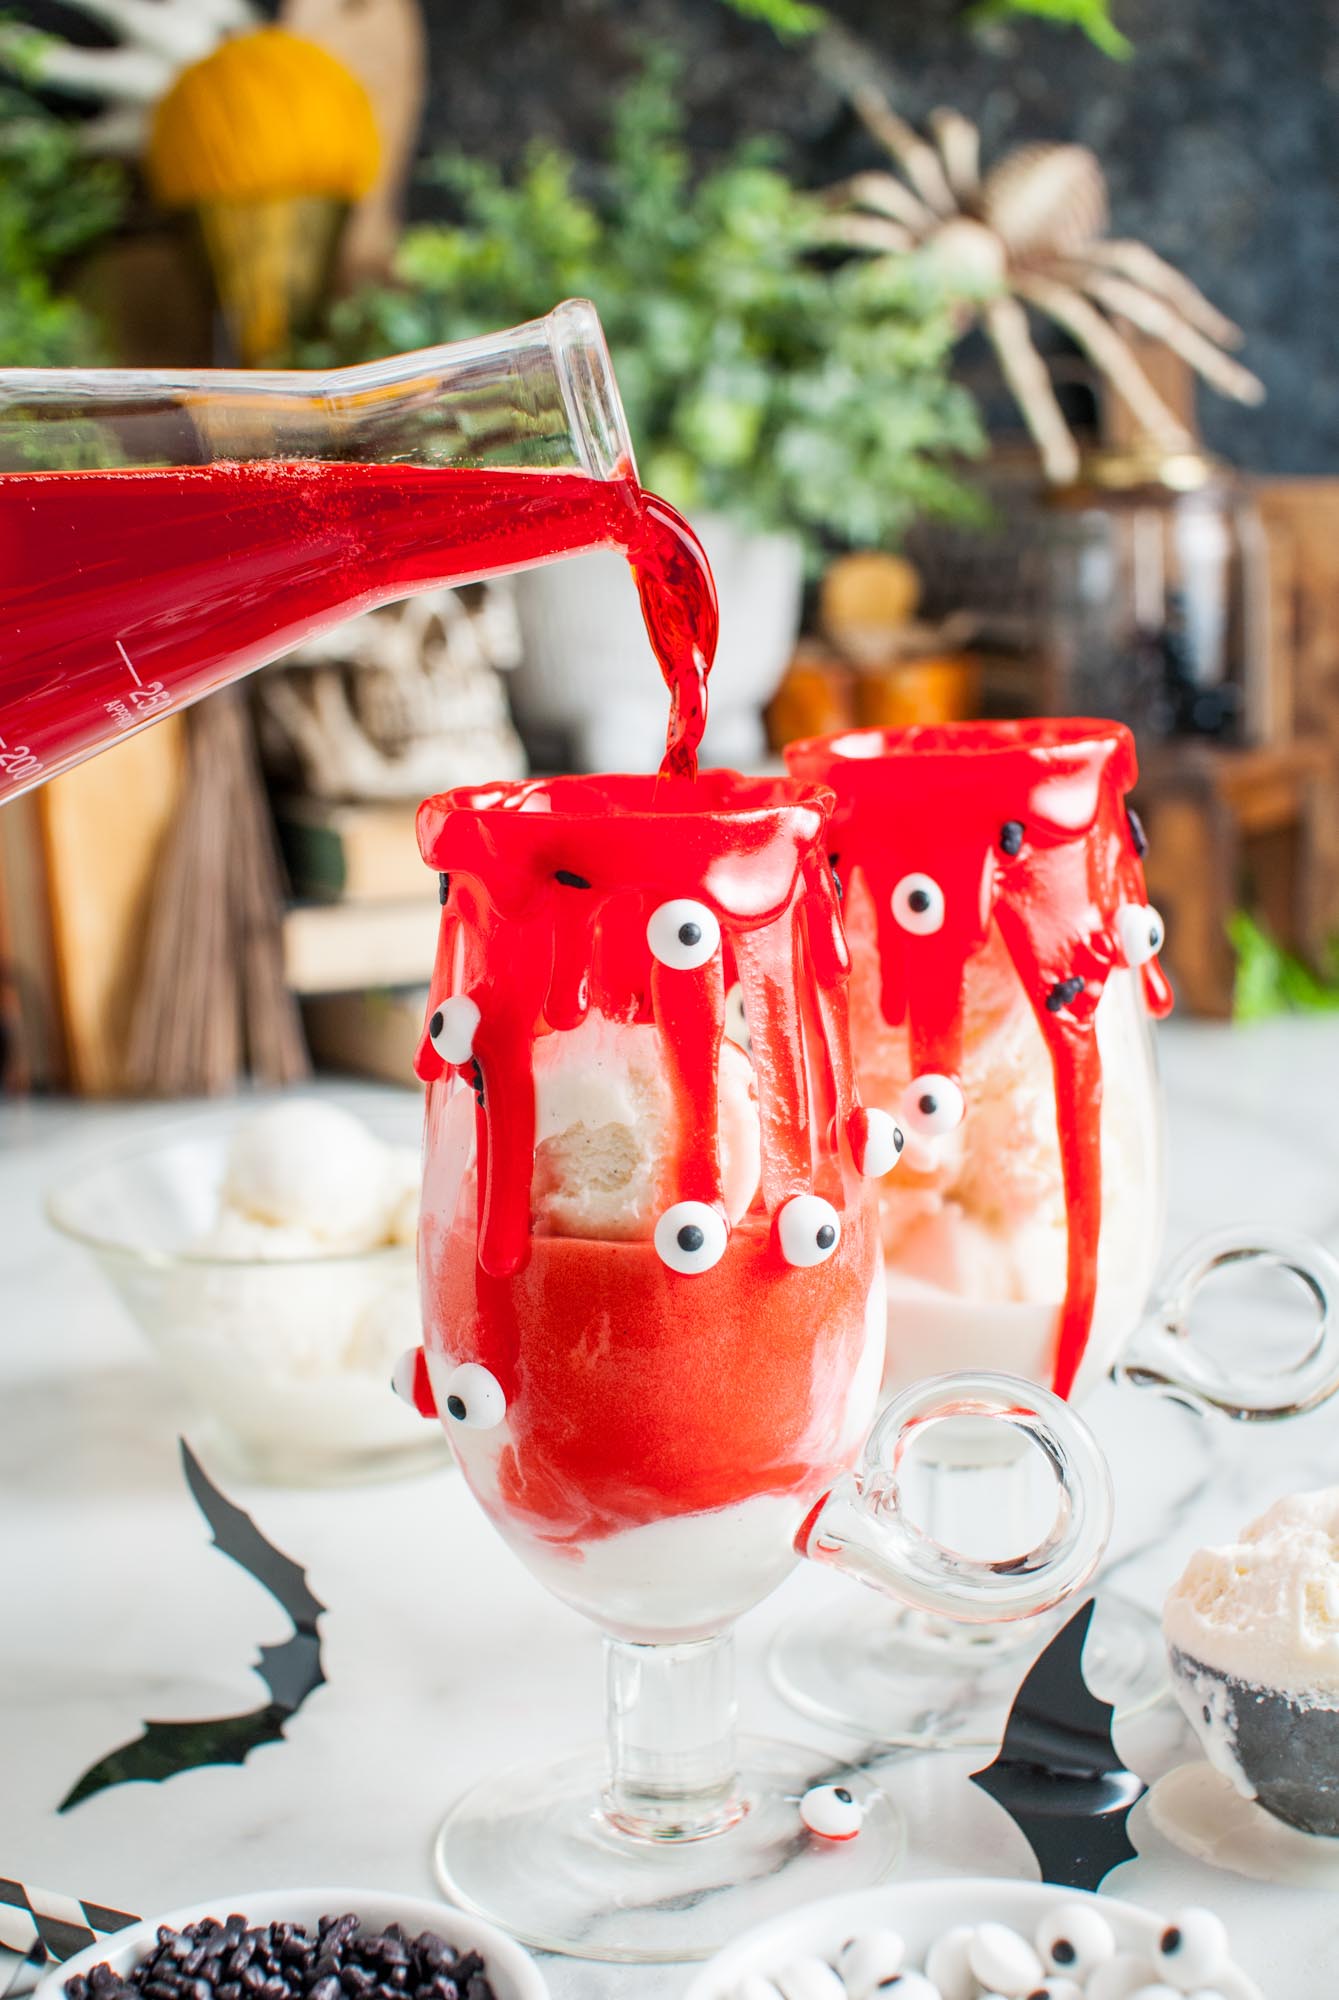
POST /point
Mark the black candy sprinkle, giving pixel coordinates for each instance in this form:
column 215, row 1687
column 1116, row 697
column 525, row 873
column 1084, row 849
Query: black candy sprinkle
column 569, row 880
column 1138, row 837
column 443, row 887
column 1011, row 836
column 1062, row 993
column 213, row 1961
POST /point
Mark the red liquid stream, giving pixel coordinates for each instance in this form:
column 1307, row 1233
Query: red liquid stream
column 127, row 593
column 936, row 801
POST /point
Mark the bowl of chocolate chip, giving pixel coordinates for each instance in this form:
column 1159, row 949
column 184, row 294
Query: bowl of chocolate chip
column 303, row 1944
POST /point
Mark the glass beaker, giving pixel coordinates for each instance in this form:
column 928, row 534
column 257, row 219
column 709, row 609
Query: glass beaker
column 654, row 1325
column 162, row 533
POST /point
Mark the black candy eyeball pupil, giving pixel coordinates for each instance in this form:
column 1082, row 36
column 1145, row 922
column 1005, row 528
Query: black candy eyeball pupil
column 690, row 934
column 839, row 1791
column 690, row 1238
column 1171, row 1939
column 456, row 1406
column 899, row 1139
column 919, row 901
column 825, row 1239
column 435, row 1024
column 1063, row 1952
column 929, row 1104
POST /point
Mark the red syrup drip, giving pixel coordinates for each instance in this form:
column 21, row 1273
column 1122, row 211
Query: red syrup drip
column 935, row 801
column 127, row 593
column 636, row 1392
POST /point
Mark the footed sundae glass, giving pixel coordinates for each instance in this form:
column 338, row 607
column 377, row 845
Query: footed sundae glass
column 654, row 1330
column 1004, row 978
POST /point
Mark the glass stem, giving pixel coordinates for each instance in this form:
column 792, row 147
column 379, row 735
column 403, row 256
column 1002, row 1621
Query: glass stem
column 670, row 1722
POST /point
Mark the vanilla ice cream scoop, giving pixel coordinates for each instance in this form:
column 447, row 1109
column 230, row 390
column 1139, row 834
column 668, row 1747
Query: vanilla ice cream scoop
column 303, row 1165
column 605, row 1126
column 1252, row 1632
column 1266, row 1608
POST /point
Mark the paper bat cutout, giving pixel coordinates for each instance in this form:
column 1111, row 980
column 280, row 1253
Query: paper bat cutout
column 290, row 1671
column 1058, row 1774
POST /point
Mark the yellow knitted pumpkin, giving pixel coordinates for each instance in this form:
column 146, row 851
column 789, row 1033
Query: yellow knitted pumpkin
column 266, row 115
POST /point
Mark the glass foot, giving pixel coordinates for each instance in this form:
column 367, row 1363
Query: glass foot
column 896, row 1677
column 534, row 1851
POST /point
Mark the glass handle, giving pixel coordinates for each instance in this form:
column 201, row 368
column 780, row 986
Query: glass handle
column 1164, row 1353
column 863, row 1529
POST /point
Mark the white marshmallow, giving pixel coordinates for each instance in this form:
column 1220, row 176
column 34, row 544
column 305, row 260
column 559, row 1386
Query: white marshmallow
column 755, row 1987
column 1003, row 1960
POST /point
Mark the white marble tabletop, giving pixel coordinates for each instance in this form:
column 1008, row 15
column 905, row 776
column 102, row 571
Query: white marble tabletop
column 445, row 1660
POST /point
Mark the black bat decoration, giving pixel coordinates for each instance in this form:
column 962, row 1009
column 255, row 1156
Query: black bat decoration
column 1058, row 1774
column 290, row 1671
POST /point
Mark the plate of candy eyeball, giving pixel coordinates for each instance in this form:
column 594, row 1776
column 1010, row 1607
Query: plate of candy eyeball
column 978, row 1940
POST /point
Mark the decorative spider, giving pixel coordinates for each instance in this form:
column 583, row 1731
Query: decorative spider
column 1032, row 233
column 154, row 40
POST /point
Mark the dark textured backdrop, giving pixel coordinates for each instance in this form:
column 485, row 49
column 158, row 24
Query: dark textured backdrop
column 1220, row 138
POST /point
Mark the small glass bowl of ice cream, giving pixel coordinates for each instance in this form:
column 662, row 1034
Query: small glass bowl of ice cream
column 269, row 1257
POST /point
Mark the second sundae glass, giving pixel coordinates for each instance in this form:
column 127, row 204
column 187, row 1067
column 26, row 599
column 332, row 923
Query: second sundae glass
column 654, row 1324
column 1004, row 979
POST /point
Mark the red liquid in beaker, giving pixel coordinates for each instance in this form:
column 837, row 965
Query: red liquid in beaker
column 126, row 593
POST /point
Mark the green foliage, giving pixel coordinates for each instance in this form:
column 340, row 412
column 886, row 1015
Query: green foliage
column 54, row 203
column 1270, row 980
column 792, row 18
column 1092, row 16
column 789, row 17
column 758, row 380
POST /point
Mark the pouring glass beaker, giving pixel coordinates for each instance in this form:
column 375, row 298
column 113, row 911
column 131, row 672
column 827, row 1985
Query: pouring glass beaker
column 165, row 532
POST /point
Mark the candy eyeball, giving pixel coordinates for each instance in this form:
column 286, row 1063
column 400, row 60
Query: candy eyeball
column 1120, row 1977
column 1192, row 1950
column 683, row 935
column 736, row 1020
column 809, row 1979
column 1056, row 1987
column 933, row 1105
column 1140, row 932
column 918, row 905
column 409, row 1379
column 868, row 1962
column 808, row 1229
column 474, row 1398
column 948, row 1965
column 755, row 1987
column 1074, row 1939
column 452, row 1026
column 1003, row 1961
column 877, row 1142
column 691, row 1237
column 832, row 1811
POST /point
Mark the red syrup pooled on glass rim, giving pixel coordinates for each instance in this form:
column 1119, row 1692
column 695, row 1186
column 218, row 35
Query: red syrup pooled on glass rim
column 127, row 593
